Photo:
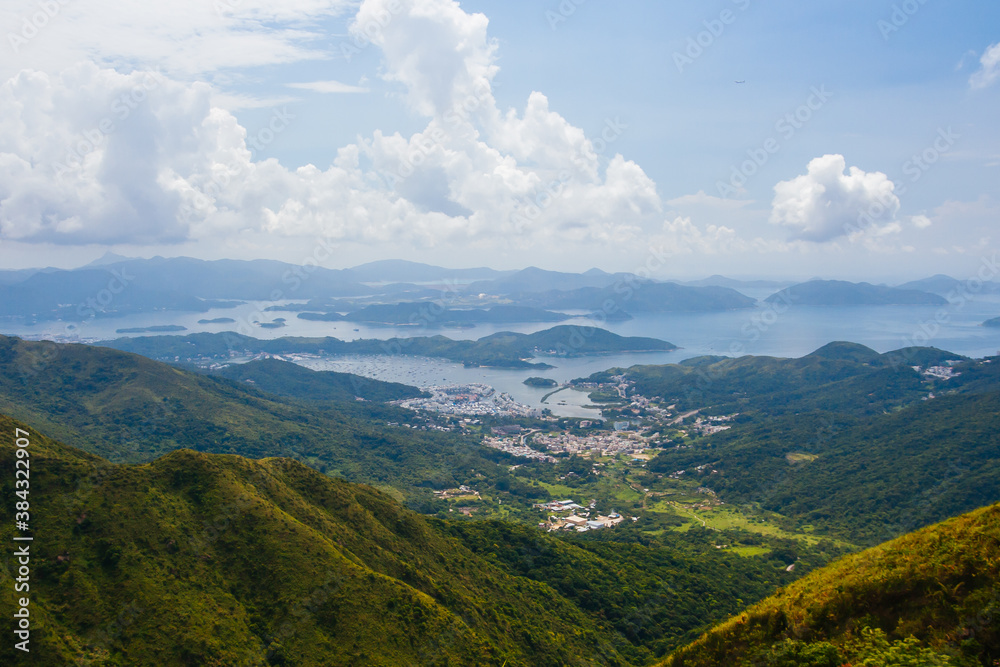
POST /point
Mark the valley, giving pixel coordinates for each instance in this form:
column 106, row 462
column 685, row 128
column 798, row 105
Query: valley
column 652, row 499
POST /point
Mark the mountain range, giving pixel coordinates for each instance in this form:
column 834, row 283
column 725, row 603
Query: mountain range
column 217, row 519
column 115, row 286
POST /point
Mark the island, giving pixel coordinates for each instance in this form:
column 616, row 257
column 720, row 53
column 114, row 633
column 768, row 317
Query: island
column 500, row 350
column 841, row 293
column 166, row 328
column 994, row 323
column 541, row 382
column 218, row 320
column 321, row 317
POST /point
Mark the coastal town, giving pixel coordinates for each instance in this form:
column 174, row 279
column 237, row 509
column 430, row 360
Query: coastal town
column 602, row 443
column 470, row 399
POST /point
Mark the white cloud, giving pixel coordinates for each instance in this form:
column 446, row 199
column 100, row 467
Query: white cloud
column 440, row 53
column 183, row 38
column 178, row 167
column 989, row 71
column 682, row 237
column 701, row 198
column 328, row 87
column 829, row 202
column 921, row 221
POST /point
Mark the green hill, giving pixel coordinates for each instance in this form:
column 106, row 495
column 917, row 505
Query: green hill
column 287, row 379
column 928, row 598
column 127, row 408
column 501, row 350
column 844, row 441
column 199, row 559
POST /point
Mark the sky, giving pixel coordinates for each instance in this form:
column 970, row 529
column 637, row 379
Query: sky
column 847, row 139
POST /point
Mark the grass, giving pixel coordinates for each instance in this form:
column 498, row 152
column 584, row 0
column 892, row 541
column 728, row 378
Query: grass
column 923, row 596
column 799, row 457
column 725, row 518
column 750, row 552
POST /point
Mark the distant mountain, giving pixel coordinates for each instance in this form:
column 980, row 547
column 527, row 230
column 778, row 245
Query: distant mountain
column 946, row 285
column 182, row 284
column 81, row 295
column 431, row 315
column 722, row 281
column 995, row 322
column 20, row 275
column 928, row 598
column 263, row 280
column 109, row 258
column 533, row 279
column 641, row 297
column 402, row 271
column 841, row 293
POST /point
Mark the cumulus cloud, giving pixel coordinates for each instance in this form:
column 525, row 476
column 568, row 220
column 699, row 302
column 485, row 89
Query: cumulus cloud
column 173, row 166
column 989, row 70
column 184, row 38
column 830, row 201
column 680, row 236
column 332, row 87
column 702, row 199
column 440, row 53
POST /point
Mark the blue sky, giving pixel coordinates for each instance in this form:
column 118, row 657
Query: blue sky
column 713, row 174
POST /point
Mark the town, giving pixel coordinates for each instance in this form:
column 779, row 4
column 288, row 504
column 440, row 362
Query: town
column 470, row 399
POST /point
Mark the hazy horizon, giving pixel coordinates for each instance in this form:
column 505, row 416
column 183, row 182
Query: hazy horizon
column 730, row 139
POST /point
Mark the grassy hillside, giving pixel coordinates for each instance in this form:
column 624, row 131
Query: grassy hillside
column 199, row 559
column 127, row 408
column 844, row 441
column 653, row 594
column 929, row 598
column 844, row 377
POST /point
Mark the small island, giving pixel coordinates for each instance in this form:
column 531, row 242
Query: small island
column 276, row 324
column 321, row 317
column 166, row 328
column 994, row 323
column 540, row 382
column 218, row 320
